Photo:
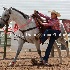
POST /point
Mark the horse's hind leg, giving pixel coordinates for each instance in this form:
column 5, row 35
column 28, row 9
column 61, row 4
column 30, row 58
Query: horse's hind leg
column 64, row 43
column 37, row 44
column 20, row 42
column 59, row 52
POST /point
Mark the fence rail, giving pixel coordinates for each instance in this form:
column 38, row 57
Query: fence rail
column 2, row 39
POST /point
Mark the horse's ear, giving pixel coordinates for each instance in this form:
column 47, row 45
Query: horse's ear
column 4, row 8
column 10, row 10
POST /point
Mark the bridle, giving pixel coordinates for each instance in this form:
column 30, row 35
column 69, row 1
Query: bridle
column 6, row 21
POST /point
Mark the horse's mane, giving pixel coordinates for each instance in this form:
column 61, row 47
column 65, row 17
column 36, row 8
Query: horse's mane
column 24, row 15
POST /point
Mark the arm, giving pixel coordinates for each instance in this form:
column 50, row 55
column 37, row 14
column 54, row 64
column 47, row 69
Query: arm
column 52, row 23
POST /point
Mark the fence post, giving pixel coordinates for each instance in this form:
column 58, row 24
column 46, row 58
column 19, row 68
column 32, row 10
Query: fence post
column 5, row 42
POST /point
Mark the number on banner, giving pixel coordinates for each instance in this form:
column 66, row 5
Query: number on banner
column 16, row 27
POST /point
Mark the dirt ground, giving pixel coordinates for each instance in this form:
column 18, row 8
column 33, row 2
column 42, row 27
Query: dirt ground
column 24, row 61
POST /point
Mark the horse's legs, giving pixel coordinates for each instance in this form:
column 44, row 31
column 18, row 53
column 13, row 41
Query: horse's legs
column 20, row 42
column 64, row 43
column 37, row 44
column 59, row 52
column 52, row 52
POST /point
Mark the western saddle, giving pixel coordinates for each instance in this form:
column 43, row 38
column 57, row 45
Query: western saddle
column 38, row 21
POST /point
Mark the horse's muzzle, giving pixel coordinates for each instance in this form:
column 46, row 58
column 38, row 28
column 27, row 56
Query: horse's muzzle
column 2, row 25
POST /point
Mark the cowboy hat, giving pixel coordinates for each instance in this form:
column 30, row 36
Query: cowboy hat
column 53, row 11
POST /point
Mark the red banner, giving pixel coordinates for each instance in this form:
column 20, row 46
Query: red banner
column 66, row 25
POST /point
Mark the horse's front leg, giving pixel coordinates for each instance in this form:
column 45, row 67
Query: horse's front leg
column 20, row 45
column 37, row 44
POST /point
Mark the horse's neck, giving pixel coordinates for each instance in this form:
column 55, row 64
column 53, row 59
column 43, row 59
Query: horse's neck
column 21, row 21
column 18, row 18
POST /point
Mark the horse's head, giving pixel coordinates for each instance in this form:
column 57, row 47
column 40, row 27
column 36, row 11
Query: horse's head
column 8, row 14
column 5, row 17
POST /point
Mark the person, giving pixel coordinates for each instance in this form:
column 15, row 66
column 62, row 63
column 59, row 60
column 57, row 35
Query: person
column 53, row 32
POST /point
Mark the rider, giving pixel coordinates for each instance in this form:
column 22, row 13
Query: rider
column 53, row 32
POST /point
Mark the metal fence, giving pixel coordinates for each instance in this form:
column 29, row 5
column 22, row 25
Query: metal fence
column 2, row 39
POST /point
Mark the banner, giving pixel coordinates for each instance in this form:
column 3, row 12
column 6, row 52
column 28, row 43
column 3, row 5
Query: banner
column 66, row 25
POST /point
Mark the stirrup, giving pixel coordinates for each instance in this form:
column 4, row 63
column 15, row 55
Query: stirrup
column 39, row 35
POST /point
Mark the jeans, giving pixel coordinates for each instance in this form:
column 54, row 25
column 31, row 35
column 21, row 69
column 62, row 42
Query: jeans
column 53, row 37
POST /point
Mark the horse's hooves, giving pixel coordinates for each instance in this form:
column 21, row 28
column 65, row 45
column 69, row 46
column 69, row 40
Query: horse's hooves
column 11, row 64
column 41, row 59
column 34, row 62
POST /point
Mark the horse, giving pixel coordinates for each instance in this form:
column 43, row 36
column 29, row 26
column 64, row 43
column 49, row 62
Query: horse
column 26, row 25
column 30, row 27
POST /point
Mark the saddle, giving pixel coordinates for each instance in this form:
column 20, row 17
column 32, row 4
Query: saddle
column 38, row 21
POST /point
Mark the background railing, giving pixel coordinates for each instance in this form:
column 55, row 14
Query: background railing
column 2, row 39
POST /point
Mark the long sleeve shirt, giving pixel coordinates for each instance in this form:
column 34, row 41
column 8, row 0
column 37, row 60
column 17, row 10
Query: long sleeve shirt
column 54, row 23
